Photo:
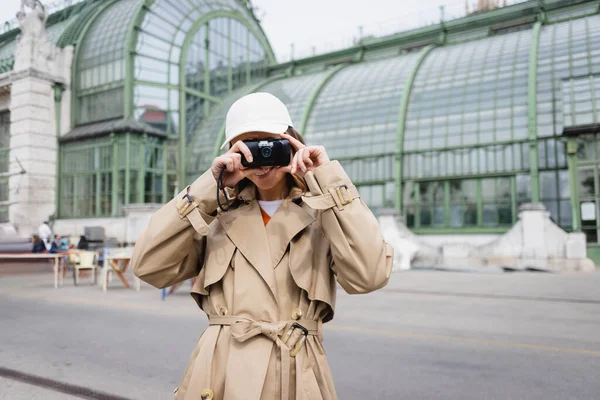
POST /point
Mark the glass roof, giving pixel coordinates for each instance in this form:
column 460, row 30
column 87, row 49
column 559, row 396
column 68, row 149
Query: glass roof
column 567, row 50
column 102, row 55
column 471, row 94
column 360, row 105
column 468, row 104
column 356, row 114
column 167, row 22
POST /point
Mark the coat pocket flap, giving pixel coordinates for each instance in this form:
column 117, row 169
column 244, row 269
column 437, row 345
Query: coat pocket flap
column 312, row 275
column 217, row 260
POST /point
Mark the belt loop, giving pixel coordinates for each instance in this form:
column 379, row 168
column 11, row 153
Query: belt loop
column 320, row 330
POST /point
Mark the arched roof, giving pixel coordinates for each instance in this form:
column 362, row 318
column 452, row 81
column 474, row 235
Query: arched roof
column 101, row 57
column 133, row 55
column 356, row 114
column 469, row 95
column 468, row 104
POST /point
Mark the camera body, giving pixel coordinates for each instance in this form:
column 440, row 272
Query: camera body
column 268, row 153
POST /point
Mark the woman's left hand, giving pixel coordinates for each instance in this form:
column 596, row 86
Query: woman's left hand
column 307, row 158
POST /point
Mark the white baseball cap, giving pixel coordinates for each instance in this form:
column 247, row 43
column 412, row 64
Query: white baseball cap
column 256, row 112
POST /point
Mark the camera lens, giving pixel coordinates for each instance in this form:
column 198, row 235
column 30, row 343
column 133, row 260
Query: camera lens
column 266, row 152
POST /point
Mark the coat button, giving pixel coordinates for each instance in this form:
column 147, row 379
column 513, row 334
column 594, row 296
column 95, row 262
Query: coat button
column 207, row 394
column 296, row 314
column 222, row 310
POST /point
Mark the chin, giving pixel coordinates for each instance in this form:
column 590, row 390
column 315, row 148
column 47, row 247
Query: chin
column 268, row 182
column 265, row 184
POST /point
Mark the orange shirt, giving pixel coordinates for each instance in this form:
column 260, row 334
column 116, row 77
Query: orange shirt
column 266, row 217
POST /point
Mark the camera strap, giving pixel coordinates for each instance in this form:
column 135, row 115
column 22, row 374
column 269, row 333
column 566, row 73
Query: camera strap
column 221, row 188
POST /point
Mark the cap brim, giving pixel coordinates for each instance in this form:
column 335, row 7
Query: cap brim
column 276, row 129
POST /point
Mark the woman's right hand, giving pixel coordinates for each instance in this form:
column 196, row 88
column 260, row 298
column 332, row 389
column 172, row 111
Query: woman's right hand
column 232, row 160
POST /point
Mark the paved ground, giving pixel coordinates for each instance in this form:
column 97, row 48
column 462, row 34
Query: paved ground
column 428, row 335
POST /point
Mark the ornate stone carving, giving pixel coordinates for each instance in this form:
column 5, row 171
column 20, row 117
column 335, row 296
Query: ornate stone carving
column 33, row 49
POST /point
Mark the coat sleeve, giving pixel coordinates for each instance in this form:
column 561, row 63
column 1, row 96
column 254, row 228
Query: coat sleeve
column 362, row 260
column 171, row 249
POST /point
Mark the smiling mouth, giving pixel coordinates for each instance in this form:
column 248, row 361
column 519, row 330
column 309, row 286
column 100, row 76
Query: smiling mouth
column 264, row 173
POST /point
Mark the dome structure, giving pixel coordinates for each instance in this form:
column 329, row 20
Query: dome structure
column 454, row 125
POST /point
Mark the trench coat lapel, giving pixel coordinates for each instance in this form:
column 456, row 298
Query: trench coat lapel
column 246, row 229
column 286, row 223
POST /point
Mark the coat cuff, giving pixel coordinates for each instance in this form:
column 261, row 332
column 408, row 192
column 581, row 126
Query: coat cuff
column 198, row 202
column 330, row 187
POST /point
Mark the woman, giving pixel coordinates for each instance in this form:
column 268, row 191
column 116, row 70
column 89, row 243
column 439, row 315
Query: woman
column 38, row 245
column 266, row 270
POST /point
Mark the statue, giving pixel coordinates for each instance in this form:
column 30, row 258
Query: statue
column 33, row 47
column 32, row 23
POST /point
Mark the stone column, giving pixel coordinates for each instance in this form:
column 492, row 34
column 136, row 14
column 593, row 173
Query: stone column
column 39, row 65
column 33, row 144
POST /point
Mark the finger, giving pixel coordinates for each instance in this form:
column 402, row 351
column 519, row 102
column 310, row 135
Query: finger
column 230, row 165
column 237, row 161
column 241, row 147
column 293, row 141
column 228, row 162
column 294, row 163
column 306, row 154
column 301, row 164
column 220, row 162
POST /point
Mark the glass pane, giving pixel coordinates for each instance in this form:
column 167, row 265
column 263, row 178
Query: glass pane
column 587, row 185
column 356, row 112
column 523, row 188
column 548, row 185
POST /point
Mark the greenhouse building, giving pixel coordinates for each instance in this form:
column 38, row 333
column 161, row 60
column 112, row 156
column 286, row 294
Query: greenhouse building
column 109, row 107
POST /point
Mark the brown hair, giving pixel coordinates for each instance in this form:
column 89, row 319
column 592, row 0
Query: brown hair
column 293, row 180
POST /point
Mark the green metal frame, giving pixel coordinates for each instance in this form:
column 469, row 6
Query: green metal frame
column 400, row 39
column 72, row 32
column 73, row 148
column 58, row 96
column 127, row 169
column 78, row 45
column 204, row 20
column 447, row 203
column 402, row 121
column 532, row 112
column 574, row 183
column 115, row 175
column 315, row 95
column 132, row 38
column 431, row 33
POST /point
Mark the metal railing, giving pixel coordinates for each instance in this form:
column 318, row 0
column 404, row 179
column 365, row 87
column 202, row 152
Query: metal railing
column 430, row 13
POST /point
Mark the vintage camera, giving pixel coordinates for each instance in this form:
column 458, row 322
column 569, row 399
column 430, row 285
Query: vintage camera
column 268, row 153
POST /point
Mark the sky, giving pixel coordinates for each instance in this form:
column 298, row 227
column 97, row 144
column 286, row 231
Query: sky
column 317, row 26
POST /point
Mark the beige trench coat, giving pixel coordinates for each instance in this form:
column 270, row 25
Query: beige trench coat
column 255, row 281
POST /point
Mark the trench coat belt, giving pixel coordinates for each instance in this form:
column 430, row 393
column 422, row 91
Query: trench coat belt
column 243, row 329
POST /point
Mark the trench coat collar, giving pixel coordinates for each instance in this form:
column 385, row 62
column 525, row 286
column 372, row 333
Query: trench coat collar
column 262, row 246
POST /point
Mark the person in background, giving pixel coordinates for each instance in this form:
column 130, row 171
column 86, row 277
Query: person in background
column 64, row 243
column 83, row 243
column 45, row 234
column 56, row 245
column 38, row 245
